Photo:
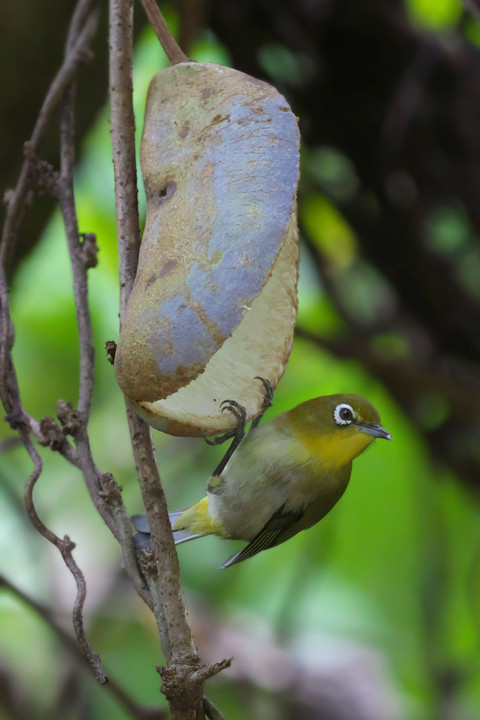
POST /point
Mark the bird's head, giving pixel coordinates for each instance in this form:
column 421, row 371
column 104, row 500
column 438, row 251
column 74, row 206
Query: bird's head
column 337, row 428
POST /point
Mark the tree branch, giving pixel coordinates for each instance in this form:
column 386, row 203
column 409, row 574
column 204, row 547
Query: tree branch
column 79, row 265
column 135, row 710
column 73, row 422
column 17, row 199
column 122, row 128
column 184, row 676
column 172, row 49
column 65, row 547
column 211, row 711
column 179, row 641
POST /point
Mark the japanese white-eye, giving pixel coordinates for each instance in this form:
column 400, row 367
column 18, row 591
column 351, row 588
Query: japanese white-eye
column 283, row 477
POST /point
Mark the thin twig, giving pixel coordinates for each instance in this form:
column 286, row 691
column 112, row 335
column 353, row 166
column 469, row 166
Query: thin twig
column 211, row 711
column 67, row 204
column 9, row 391
column 106, row 496
column 79, row 17
column 16, row 199
column 136, row 711
column 8, row 384
column 79, row 265
column 112, row 494
column 65, row 547
column 150, row 571
column 122, row 128
column 172, row 49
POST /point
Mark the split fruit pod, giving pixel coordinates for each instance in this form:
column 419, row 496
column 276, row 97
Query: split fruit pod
column 214, row 301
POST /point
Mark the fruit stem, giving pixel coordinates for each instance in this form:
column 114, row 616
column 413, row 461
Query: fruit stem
column 172, row 49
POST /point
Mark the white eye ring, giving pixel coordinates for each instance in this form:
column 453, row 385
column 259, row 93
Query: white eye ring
column 343, row 414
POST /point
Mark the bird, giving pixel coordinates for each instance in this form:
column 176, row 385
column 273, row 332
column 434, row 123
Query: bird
column 282, row 477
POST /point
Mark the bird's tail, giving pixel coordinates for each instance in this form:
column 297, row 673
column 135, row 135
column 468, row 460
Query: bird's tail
column 143, row 538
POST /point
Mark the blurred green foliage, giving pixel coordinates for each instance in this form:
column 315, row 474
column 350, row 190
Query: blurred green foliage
column 393, row 570
column 435, row 14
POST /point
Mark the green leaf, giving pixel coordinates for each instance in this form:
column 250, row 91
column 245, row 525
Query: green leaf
column 435, row 14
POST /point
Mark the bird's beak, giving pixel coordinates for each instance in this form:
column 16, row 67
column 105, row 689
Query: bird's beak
column 376, row 430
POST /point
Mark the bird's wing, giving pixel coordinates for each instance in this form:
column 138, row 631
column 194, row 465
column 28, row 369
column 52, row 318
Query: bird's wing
column 281, row 526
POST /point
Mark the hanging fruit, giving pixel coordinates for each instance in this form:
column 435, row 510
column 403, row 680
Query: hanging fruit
column 214, row 300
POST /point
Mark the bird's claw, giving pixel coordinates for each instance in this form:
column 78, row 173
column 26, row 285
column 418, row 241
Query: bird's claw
column 267, row 400
column 241, row 414
column 239, row 430
column 237, row 433
column 236, row 409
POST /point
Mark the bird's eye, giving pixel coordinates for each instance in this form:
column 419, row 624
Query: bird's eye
column 343, row 414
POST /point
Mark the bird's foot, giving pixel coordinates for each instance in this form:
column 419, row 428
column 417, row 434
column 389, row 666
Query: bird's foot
column 238, row 433
column 267, row 400
column 239, row 430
